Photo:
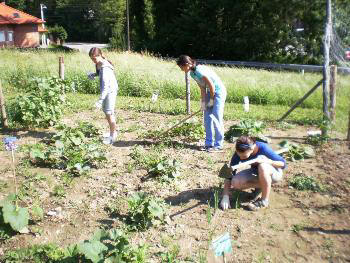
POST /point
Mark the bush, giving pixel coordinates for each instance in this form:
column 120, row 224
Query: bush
column 42, row 106
column 58, row 33
column 303, row 182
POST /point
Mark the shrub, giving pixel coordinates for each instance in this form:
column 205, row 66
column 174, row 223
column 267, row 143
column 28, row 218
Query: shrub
column 42, row 106
column 297, row 151
column 58, row 33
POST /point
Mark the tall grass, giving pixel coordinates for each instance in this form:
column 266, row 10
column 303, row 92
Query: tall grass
column 140, row 75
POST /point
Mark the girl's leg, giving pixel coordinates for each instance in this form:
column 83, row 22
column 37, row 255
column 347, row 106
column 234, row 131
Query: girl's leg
column 218, row 114
column 112, row 126
column 265, row 172
column 209, row 129
column 245, row 179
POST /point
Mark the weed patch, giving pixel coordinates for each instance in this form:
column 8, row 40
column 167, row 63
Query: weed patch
column 303, row 182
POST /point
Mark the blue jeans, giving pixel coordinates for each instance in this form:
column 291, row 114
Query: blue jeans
column 214, row 120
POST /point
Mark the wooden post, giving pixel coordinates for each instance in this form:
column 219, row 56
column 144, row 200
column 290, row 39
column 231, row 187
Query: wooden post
column 332, row 90
column 61, row 67
column 3, row 109
column 349, row 130
column 188, row 94
column 326, row 47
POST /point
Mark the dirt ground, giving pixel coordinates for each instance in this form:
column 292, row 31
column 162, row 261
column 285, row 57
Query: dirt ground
column 298, row 226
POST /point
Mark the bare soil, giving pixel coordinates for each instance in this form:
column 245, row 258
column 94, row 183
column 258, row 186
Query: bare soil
column 298, row 226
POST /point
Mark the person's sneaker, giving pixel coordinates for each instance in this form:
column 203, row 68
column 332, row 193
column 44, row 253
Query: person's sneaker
column 215, row 150
column 108, row 140
column 255, row 194
column 258, row 204
column 205, row 148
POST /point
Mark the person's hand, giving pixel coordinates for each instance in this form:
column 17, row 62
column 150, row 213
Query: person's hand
column 98, row 105
column 225, row 202
column 203, row 107
column 211, row 102
column 91, row 75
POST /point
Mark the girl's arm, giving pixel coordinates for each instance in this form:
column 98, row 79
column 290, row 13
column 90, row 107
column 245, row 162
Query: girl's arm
column 272, row 158
column 211, row 86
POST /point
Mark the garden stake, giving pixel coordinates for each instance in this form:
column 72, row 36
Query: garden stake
column 177, row 124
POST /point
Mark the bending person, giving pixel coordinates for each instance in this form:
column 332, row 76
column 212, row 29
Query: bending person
column 213, row 96
column 265, row 171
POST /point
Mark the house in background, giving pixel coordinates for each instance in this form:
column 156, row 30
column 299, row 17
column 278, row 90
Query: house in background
column 18, row 29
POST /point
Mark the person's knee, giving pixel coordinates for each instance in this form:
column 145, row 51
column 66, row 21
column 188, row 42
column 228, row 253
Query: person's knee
column 265, row 169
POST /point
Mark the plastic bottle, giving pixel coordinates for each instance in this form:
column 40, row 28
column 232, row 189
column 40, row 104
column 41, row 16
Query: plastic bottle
column 246, row 104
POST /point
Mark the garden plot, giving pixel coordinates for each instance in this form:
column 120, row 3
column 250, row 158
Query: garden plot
column 158, row 201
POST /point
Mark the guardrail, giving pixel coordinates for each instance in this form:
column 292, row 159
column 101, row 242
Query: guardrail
column 298, row 67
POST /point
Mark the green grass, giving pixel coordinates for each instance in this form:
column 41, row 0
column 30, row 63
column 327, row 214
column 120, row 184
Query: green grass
column 270, row 93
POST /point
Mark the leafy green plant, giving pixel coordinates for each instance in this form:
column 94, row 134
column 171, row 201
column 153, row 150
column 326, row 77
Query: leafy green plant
column 74, row 150
column 145, row 211
column 247, row 127
column 165, row 170
column 303, row 182
column 105, row 246
column 17, row 217
column 296, row 151
column 41, row 106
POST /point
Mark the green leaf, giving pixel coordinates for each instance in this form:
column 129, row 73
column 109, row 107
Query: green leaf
column 76, row 140
column 155, row 209
column 38, row 212
column 59, row 144
column 36, row 153
column 17, row 217
column 92, row 250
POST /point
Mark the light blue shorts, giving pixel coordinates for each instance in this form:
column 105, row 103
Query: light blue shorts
column 108, row 105
column 251, row 175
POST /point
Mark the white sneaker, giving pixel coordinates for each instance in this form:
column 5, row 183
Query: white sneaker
column 108, row 140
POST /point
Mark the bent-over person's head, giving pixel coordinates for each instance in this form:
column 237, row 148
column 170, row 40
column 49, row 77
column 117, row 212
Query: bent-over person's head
column 245, row 146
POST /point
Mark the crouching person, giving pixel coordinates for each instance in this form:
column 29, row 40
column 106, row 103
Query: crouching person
column 265, row 171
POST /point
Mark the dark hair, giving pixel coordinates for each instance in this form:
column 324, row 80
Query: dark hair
column 95, row 52
column 184, row 59
column 245, row 143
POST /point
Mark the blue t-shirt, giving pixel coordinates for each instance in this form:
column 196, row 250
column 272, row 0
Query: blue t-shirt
column 263, row 149
column 201, row 71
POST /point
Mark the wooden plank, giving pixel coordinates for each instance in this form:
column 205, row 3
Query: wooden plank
column 301, row 100
column 3, row 109
column 61, row 67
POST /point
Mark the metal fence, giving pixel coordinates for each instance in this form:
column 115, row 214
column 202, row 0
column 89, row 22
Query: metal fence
column 296, row 67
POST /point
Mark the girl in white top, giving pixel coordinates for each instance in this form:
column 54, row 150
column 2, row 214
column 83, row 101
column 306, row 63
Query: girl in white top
column 108, row 90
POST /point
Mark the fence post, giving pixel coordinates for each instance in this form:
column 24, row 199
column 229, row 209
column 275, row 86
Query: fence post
column 333, row 91
column 3, row 109
column 349, row 130
column 61, row 67
column 188, row 94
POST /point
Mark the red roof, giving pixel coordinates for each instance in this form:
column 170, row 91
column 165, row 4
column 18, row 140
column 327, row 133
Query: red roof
column 9, row 15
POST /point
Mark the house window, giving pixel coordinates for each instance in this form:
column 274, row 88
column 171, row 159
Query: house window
column 2, row 36
column 10, row 36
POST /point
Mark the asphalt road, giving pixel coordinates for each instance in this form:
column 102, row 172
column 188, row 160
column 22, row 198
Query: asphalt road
column 83, row 47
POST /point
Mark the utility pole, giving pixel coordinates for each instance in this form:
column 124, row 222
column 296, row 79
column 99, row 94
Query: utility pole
column 43, row 37
column 127, row 24
column 326, row 71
